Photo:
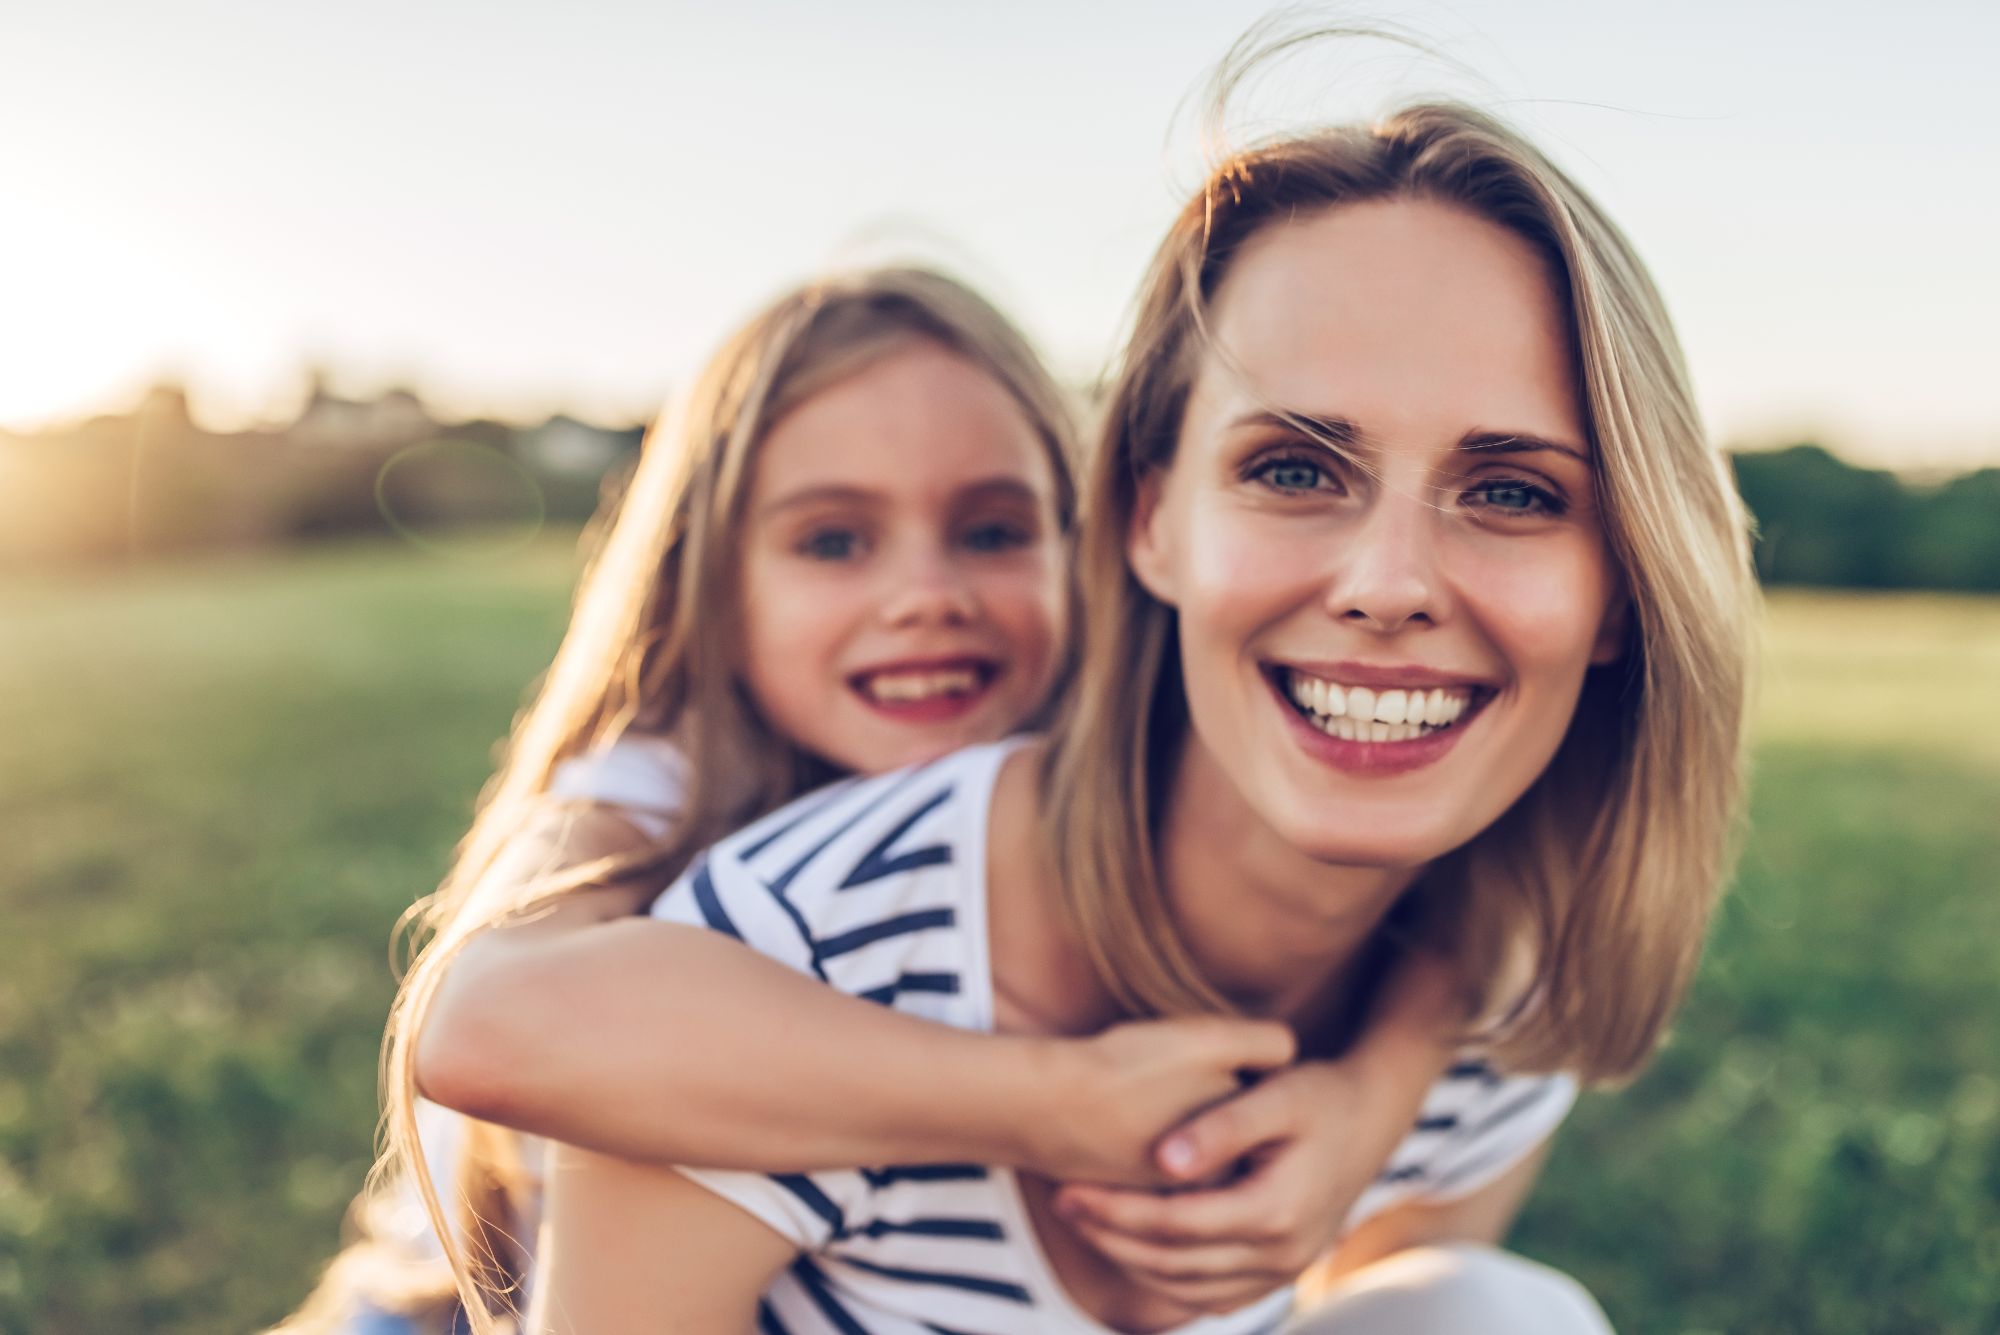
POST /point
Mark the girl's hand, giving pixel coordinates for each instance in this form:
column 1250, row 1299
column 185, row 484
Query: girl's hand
column 1278, row 1168
column 1103, row 1101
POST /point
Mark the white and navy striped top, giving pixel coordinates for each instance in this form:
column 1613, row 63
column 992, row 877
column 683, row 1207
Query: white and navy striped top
column 877, row 886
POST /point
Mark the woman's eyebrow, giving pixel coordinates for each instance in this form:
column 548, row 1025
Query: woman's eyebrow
column 1518, row 442
column 1330, row 430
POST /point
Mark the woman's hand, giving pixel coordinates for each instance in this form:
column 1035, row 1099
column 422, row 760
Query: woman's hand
column 1103, row 1102
column 1276, row 1170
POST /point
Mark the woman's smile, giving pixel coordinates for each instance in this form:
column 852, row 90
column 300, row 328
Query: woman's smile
column 1379, row 728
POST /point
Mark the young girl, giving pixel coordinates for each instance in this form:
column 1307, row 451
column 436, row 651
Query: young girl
column 847, row 557
column 1415, row 610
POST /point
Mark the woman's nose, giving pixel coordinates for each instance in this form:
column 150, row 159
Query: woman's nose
column 1385, row 574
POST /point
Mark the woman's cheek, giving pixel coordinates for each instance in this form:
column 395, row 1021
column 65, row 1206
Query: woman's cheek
column 1245, row 561
column 1542, row 597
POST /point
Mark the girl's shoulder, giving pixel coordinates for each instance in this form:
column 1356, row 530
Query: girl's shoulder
column 644, row 774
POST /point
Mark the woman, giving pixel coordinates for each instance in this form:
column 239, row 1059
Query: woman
column 1416, row 611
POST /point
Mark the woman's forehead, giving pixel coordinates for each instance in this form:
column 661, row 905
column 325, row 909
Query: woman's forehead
column 1403, row 316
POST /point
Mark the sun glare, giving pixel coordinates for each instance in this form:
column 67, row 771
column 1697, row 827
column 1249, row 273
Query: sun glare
column 85, row 323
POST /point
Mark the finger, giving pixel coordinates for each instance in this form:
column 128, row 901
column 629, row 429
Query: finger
column 1211, row 1279
column 1250, row 1210
column 1242, row 1045
column 1206, row 1145
column 1218, row 1295
column 1159, row 1262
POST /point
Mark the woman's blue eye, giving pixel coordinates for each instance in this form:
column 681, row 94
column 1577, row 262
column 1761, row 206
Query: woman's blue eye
column 1514, row 498
column 833, row 544
column 1292, row 474
column 994, row 538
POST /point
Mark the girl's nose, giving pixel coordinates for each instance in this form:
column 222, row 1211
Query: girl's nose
column 929, row 589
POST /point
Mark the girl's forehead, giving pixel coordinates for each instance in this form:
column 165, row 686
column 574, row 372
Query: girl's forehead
column 921, row 420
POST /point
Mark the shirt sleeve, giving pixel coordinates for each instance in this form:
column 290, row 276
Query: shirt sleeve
column 645, row 776
column 1507, row 1119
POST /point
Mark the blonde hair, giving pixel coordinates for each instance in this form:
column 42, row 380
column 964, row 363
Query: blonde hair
column 1595, row 887
column 642, row 653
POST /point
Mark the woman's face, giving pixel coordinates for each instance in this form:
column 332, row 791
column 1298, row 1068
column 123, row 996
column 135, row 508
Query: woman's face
column 902, row 588
column 1383, row 650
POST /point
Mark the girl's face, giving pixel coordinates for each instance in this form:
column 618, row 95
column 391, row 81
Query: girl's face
column 1381, row 657
column 902, row 589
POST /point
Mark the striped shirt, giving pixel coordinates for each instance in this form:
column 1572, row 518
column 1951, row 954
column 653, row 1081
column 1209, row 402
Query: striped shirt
column 877, row 887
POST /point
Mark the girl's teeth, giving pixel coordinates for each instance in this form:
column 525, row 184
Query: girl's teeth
column 898, row 686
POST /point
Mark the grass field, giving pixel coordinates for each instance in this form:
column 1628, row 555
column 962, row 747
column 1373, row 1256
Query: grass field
column 220, row 784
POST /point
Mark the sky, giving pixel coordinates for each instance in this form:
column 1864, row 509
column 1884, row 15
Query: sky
column 517, row 208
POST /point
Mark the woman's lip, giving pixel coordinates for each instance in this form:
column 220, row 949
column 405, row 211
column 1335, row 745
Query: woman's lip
column 1375, row 759
column 1386, row 676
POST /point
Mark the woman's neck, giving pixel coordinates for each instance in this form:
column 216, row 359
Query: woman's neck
column 1279, row 933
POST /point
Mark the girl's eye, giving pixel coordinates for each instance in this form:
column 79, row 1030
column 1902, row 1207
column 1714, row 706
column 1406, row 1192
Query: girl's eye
column 1289, row 473
column 1513, row 497
column 995, row 538
column 830, row 544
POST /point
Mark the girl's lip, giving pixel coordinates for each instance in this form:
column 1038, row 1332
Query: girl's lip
column 1376, row 759
column 986, row 667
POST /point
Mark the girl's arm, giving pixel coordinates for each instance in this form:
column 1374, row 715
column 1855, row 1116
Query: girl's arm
column 576, row 1024
column 633, row 1247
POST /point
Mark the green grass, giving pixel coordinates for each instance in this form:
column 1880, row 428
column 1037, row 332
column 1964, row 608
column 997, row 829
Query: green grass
column 221, row 783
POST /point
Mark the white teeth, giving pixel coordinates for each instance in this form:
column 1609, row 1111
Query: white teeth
column 1361, row 713
column 899, row 686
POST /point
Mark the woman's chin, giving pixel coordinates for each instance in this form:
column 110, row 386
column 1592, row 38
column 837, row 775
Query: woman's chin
column 1385, row 843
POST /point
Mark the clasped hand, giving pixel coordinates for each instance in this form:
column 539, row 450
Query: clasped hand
column 1208, row 1164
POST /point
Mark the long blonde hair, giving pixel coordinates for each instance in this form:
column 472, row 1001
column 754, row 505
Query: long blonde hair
column 1578, row 917
column 648, row 649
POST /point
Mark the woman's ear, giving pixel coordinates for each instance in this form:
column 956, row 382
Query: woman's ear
column 1149, row 547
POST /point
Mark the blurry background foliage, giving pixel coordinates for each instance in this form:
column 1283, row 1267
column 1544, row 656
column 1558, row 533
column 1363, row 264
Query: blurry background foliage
column 227, row 773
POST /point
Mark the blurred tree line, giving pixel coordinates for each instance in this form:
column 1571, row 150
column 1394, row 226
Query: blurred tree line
column 1821, row 520
column 152, row 483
